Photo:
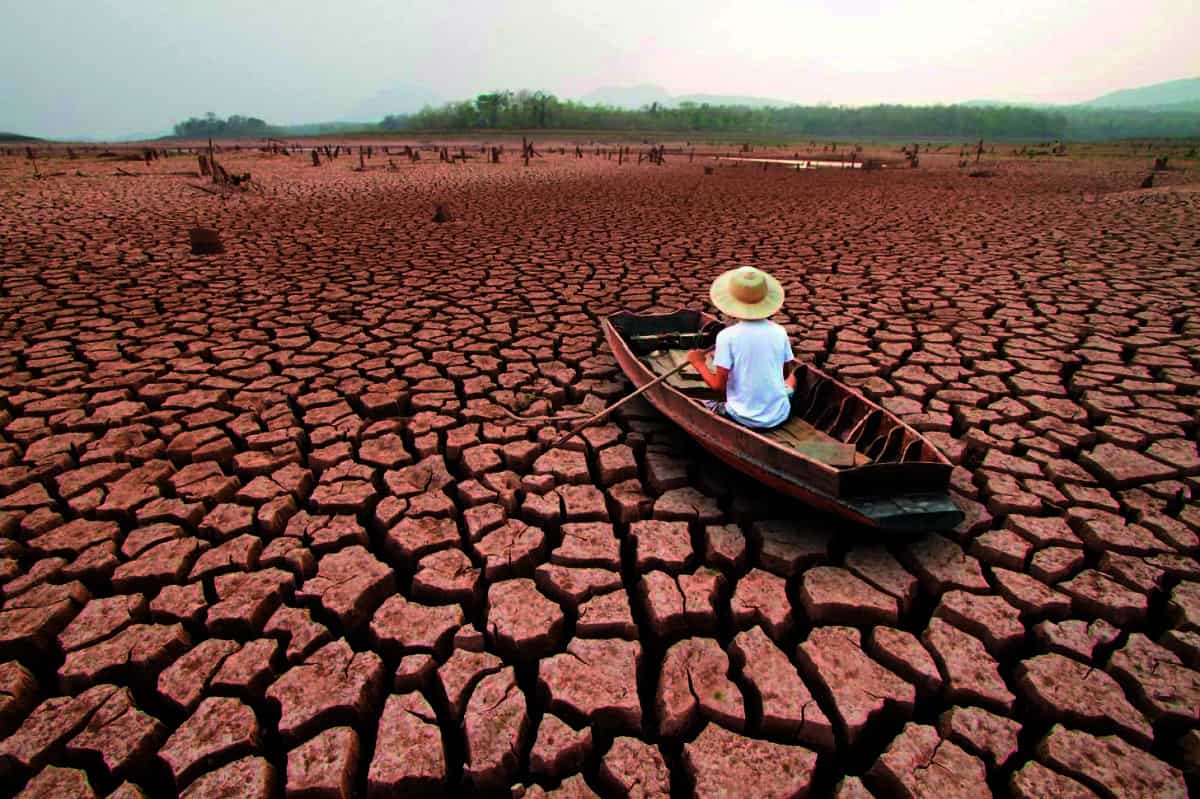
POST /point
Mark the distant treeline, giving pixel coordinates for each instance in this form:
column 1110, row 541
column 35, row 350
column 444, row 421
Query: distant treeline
column 239, row 127
column 526, row 110
column 233, row 127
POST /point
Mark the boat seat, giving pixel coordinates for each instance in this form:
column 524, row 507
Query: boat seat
column 801, row 436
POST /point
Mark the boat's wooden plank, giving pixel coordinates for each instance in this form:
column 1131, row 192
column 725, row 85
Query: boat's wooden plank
column 801, row 436
column 800, row 429
column 688, row 380
column 834, row 453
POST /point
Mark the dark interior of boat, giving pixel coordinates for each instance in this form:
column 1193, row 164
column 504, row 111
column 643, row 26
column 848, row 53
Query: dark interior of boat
column 829, row 423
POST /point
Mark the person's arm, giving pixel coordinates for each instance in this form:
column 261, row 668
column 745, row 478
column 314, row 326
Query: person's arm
column 789, row 373
column 790, row 364
column 717, row 380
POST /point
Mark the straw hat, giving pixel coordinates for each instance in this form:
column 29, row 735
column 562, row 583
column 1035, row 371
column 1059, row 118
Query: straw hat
column 747, row 293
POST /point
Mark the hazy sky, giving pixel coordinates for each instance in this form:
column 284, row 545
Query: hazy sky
column 120, row 67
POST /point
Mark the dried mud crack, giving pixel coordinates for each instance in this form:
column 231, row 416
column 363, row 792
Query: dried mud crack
column 268, row 523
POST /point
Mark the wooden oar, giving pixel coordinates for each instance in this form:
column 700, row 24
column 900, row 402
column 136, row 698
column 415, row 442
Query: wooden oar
column 591, row 420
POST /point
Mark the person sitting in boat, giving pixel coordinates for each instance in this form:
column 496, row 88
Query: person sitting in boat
column 753, row 358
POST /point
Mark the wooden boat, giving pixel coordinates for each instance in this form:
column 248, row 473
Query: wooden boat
column 839, row 451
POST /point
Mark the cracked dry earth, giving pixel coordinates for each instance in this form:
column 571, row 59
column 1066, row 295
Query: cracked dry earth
column 265, row 531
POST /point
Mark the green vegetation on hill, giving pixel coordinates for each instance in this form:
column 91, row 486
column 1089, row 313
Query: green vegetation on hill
column 525, row 110
column 1099, row 124
column 11, row 137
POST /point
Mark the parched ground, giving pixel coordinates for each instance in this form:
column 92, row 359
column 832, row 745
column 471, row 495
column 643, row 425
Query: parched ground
column 265, row 529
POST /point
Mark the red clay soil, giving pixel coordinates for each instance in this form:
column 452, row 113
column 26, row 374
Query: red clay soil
column 267, row 526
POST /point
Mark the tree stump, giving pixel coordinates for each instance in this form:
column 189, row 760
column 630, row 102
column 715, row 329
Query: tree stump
column 316, row 158
column 205, row 241
column 441, row 213
column 1148, row 183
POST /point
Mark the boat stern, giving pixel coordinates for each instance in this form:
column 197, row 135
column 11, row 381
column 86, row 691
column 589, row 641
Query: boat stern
column 912, row 513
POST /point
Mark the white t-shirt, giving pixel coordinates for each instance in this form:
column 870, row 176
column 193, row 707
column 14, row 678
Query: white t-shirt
column 754, row 352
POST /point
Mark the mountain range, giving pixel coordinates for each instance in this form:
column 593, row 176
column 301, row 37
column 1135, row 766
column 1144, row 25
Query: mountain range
column 1173, row 95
